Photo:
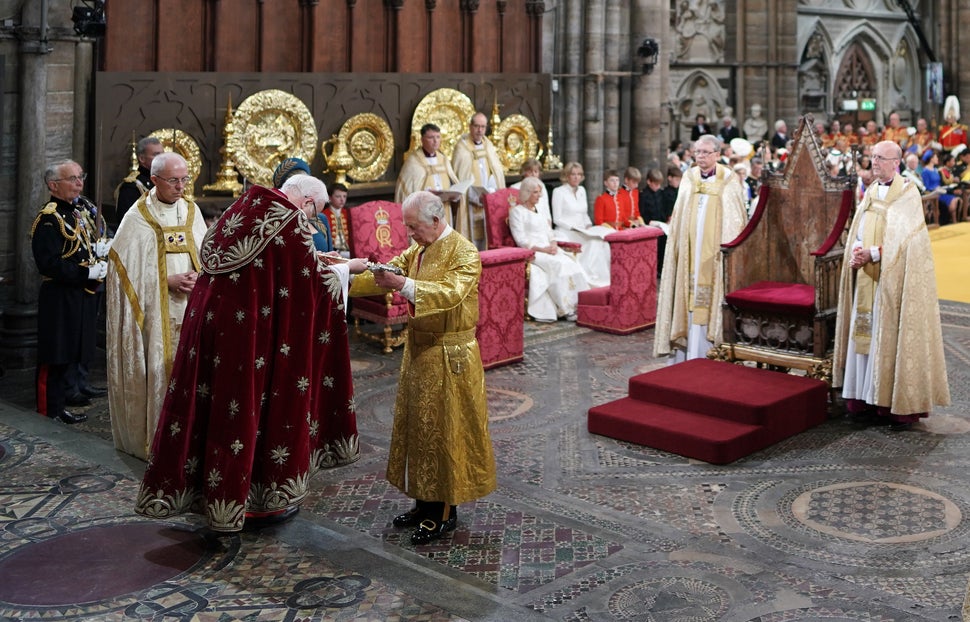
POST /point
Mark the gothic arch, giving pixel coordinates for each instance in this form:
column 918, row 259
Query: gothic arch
column 815, row 73
column 698, row 93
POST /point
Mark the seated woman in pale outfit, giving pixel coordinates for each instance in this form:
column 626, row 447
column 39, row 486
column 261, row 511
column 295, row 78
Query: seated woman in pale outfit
column 570, row 216
column 556, row 277
column 532, row 168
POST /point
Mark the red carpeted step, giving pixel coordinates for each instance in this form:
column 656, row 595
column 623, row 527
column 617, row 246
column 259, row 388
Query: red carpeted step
column 678, row 431
column 728, row 391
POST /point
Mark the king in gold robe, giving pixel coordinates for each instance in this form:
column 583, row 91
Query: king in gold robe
column 707, row 213
column 888, row 340
column 441, row 450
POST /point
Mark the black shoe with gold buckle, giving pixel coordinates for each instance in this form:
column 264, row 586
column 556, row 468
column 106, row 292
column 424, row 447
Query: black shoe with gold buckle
column 410, row 518
column 429, row 530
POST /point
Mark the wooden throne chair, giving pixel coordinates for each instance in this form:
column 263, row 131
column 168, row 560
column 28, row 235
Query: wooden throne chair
column 377, row 232
column 781, row 274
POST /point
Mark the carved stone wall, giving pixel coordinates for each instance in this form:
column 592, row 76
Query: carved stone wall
column 196, row 103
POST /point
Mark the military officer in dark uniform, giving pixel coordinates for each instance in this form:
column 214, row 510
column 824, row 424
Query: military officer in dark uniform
column 67, row 258
column 137, row 182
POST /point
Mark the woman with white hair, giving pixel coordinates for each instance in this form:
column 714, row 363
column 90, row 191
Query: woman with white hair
column 556, row 277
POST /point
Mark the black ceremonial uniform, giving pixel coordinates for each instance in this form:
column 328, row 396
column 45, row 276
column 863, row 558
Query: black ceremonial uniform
column 129, row 191
column 67, row 305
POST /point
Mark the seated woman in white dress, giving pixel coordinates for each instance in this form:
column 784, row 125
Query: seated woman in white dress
column 570, row 216
column 556, row 277
column 532, row 168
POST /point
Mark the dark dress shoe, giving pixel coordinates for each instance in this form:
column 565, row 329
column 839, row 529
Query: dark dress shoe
column 78, row 400
column 429, row 530
column 409, row 519
column 94, row 391
column 70, row 418
column 900, row 426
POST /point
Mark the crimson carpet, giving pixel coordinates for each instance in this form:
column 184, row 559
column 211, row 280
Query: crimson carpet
column 711, row 410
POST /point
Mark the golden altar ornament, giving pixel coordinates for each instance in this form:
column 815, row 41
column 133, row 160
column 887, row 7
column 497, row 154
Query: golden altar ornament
column 450, row 110
column 227, row 181
column 516, row 141
column 338, row 158
column 369, row 142
column 270, row 126
column 184, row 145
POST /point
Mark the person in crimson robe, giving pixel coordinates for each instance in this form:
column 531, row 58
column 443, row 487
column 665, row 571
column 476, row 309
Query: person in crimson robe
column 428, row 168
column 260, row 396
column 888, row 341
column 441, row 451
column 154, row 266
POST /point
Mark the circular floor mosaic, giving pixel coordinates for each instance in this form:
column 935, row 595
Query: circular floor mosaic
column 862, row 523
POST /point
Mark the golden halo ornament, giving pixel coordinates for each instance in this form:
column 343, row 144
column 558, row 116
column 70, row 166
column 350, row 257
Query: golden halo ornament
column 184, row 145
column 450, row 110
column 370, row 142
column 270, row 126
column 516, row 141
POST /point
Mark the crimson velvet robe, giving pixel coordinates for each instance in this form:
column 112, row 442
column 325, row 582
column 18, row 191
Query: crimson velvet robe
column 261, row 395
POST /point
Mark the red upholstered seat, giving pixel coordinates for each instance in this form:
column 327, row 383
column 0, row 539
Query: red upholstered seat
column 377, row 232
column 629, row 303
column 772, row 296
column 497, row 232
column 501, row 290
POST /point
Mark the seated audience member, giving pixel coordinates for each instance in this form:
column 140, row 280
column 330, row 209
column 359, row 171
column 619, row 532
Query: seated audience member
column 654, row 211
column 532, row 168
column 631, row 187
column 556, row 277
column 933, row 182
column 613, row 209
column 570, row 217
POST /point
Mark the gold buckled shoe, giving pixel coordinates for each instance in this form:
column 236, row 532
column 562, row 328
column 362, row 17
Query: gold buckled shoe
column 429, row 530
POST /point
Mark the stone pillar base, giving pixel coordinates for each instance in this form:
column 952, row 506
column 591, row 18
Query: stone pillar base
column 18, row 337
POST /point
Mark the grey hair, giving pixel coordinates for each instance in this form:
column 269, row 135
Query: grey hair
column 53, row 170
column 529, row 184
column 143, row 144
column 308, row 186
column 427, row 204
column 162, row 160
column 713, row 141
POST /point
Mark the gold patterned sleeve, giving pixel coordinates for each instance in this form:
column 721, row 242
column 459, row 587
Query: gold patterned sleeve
column 450, row 284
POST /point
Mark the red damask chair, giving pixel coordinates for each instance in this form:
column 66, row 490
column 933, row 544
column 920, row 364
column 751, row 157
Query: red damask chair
column 497, row 204
column 629, row 302
column 377, row 232
column 501, row 289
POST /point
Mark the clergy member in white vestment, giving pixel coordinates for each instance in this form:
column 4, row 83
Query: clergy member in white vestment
column 427, row 168
column 154, row 262
column 556, row 277
column 570, row 217
column 475, row 158
column 709, row 212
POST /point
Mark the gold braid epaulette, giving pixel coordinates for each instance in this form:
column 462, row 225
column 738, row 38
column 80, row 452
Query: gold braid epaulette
column 50, row 208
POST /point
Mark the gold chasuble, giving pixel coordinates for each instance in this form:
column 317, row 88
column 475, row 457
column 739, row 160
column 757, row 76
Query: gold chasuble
column 691, row 283
column 898, row 313
column 418, row 173
column 154, row 240
column 441, row 448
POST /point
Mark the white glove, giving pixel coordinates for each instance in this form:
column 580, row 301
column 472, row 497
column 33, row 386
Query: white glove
column 98, row 271
column 101, row 247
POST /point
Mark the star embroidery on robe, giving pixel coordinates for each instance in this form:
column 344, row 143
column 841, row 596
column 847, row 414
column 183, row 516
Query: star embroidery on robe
column 214, row 478
column 192, row 313
column 174, row 429
column 285, row 349
column 279, row 455
column 328, row 382
column 284, row 292
column 305, row 271
column 314, row 428
column 171, row 386
column 191, row 465
column 203, row 390
column 324, row 337
column 303, row 384
column 265, row 311
column 258, row 262
column 192, row 353
column 279, row 240
column 216, row 361
column 234, row 277
column 352, row 405
column 209, row 316
column 233, row 409
column 236, row 447
column 257, row 201
column 240, row 316
column 260, row 362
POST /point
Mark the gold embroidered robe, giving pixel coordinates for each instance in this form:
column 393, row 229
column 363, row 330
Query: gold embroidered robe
column 441, row 449
column 676, row 283
column 143, row 317
column 906, row 350
column 417, row 174
column 465, row 162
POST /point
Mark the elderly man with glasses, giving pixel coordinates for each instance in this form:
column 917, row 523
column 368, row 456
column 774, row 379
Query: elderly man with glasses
column 709, row 211
column 67, row 255
column 154, row 264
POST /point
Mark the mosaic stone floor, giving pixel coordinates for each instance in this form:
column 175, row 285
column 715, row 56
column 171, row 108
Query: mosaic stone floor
column 842, row 522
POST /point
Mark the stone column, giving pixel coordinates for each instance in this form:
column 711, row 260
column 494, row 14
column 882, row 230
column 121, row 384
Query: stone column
column 593, row 98
column 18, row 338
column 83, row 65
column 612, row 49
column 649, row 124
column 571, row 101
